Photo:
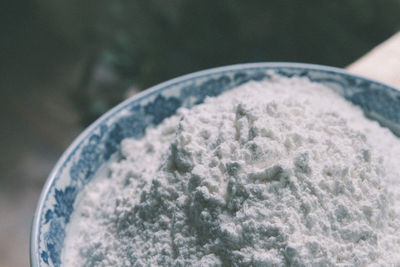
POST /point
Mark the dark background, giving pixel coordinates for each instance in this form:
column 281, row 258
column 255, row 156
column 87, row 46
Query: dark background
column 63, row 63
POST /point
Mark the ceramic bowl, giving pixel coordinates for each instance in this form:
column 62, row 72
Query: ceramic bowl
column 98, row 142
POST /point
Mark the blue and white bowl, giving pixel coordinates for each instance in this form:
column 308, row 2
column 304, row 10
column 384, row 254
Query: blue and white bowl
column 98, row 142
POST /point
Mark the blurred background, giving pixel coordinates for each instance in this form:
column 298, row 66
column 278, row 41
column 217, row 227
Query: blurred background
column 64, row 63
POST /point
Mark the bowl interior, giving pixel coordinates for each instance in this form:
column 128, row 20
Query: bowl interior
column 97, row 143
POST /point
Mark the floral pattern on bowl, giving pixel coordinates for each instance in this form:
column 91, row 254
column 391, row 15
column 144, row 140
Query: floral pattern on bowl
column 96, row 144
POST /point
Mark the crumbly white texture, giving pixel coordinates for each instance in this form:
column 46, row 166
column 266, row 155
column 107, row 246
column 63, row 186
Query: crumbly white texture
column 275, row 173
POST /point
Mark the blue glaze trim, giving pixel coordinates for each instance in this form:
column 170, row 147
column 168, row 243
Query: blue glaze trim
column 219, row 80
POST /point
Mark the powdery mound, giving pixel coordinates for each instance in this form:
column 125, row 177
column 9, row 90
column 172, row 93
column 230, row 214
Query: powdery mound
column 269, row 174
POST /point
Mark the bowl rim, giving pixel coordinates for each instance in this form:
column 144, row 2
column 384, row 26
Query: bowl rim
column 34, row 246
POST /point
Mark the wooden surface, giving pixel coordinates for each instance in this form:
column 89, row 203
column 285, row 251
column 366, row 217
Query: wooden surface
column 382, row 63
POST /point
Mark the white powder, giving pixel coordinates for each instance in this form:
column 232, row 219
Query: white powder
column 275, row 173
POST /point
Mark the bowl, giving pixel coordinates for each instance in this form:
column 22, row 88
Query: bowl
column 101, row 140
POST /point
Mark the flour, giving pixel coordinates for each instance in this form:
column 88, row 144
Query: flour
column 275, row 173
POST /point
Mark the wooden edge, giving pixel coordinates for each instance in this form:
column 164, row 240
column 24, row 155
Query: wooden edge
column 382, row 63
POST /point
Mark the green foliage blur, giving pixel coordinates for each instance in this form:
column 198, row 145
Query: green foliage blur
column 157, row 40
column 147, row 42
